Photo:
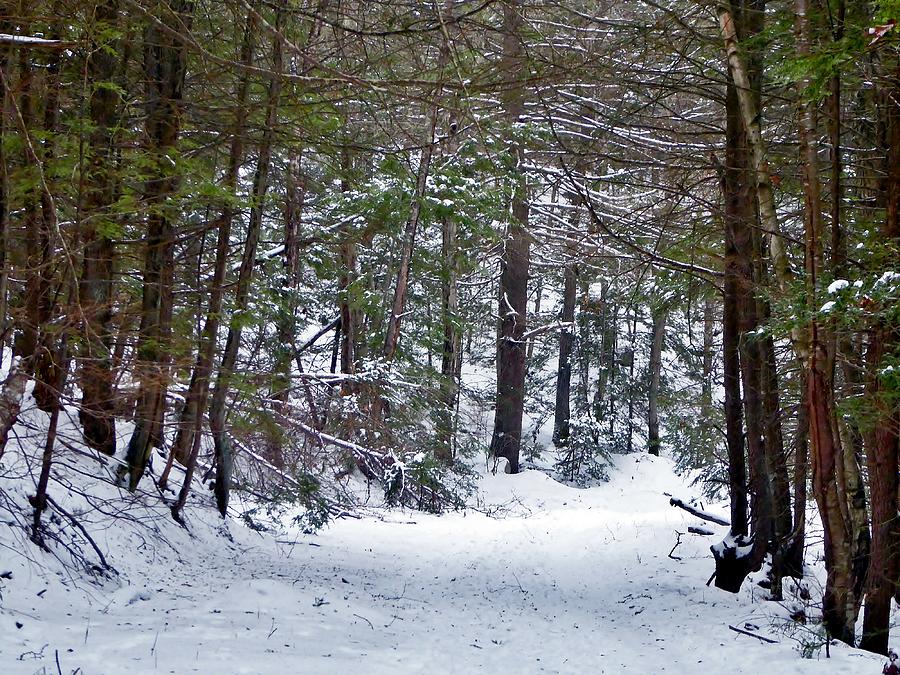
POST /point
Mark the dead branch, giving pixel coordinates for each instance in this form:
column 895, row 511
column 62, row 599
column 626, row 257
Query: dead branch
column 758, row 637
column 694, row 511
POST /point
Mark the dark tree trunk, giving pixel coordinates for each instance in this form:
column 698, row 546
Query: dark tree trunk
column 451, row 356
column 350, row 319
column 198, row 389
column 217, row 413
column 883, row 451
column 96, row 376
column 514, row 263
column 46, row 364
column 564, row 371
column 656, row 347
column 164, row 68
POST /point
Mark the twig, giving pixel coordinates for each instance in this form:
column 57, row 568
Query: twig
column 677, row 544
column 758, row 637
column 83, row 531
column 366, row 620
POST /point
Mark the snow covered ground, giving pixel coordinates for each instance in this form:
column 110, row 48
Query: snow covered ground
column 538, row 578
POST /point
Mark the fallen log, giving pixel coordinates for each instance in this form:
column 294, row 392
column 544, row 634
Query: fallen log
column 694, row 511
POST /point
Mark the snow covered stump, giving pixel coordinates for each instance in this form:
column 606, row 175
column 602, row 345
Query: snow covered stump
column 734, row 561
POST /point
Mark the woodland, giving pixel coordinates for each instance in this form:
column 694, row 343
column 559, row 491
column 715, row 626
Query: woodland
column 254, row 248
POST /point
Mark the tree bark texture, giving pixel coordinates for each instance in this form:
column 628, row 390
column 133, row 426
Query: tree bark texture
column 198, row 389
column 562, row 412
column 656, row 348
column 95, row 290
column 514, row 263
column 217, row 413
column 883, row 438
column 165, row 65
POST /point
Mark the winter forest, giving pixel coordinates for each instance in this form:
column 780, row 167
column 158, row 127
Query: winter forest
column 451, row 336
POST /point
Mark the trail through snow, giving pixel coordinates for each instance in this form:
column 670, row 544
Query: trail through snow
column 554, row 580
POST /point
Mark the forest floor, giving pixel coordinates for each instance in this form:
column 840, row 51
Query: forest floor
column 536, row 578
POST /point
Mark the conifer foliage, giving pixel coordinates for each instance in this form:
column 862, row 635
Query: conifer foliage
column 275, row 243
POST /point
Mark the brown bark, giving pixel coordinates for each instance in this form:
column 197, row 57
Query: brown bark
column 350, row 315
column 5, row 25
column 165, row 66
column 883, row 436
column 96, row 376
column 217, row 413
column 198, row 389
column 836, row 479
column 742, row 175
column 514, row 263
column 656, row 346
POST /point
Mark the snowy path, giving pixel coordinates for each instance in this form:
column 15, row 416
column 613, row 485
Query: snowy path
column 569, row 581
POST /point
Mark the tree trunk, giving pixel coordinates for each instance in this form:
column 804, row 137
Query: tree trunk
column 198, row 389
column 709, row 329
column 451, row 357
column 401, row 287
column 165, row 66
column 882, row 438
column 350, row 319
column 564, row 371
column 46, row 365
column 6, row 26
column 514, row 263
column 96, row 376
column 743, row 361
column 656, row 347
column 223, row 450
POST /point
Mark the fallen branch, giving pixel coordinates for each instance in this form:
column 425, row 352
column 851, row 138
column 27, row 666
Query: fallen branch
column 694, row 511
column 758, row 637
column 700, row 530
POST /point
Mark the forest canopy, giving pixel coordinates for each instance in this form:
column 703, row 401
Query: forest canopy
column 270, row 244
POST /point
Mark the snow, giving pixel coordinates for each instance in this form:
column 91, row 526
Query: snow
column 888, row 278
column 828, row 306
column 6, row 38
column 837, row 285
column 536, row 577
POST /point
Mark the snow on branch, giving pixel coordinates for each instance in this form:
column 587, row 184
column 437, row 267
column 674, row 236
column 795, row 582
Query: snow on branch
column 556, row 325
column 390, row 472
column 32, row 42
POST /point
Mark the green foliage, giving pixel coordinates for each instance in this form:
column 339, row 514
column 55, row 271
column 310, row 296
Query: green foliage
column 586, row 457
column 300, row 500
